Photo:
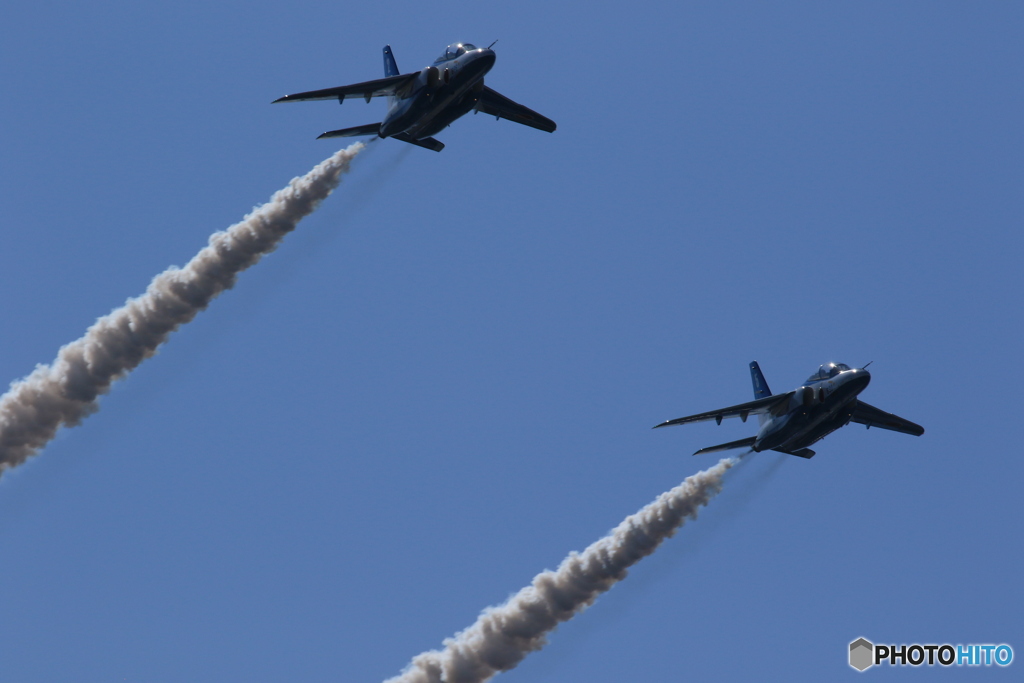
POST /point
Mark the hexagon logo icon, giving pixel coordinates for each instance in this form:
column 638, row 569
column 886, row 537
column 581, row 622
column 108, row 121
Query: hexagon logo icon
column 862, row 654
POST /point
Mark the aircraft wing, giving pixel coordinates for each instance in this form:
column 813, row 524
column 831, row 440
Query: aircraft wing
column 365, row 90
column 742, row 411
column 873, row 417
column 496, row 104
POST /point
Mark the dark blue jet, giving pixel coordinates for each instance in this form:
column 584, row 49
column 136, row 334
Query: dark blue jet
column 793, row 421
column 425, row 102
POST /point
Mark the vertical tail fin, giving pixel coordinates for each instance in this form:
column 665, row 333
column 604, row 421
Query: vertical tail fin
column 390, row 67
column 761, row 389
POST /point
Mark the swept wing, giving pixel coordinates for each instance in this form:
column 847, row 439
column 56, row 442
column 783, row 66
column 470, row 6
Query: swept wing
column 496, row 104
column 742, row 411
column 365, row 90
column 873, row 417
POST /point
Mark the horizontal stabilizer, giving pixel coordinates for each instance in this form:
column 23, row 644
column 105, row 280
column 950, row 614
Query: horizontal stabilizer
column 368, row 129
column 806, row 453
column 742, row 443
column 426, row 143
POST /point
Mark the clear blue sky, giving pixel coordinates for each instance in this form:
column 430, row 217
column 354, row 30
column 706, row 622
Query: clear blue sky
column 445, row 379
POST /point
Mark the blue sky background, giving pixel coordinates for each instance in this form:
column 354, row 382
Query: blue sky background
column 445, row 379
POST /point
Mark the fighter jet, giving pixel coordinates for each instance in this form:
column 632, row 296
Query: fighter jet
column 425, row 102
column 793, row 421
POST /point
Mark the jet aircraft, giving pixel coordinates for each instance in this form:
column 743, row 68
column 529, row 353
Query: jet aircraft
column 791, row 422
column 423, row 103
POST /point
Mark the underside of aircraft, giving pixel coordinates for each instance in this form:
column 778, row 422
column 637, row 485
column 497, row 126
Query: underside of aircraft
column 793, row 421
column 423, row 103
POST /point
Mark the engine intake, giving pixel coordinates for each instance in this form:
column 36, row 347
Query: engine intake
column 803, row 397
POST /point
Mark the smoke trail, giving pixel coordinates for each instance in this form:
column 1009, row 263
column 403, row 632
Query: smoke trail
column 66, row 392
column 503, row 636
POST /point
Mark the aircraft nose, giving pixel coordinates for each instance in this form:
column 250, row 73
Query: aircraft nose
column 486, row 57
column 861, row 378
column 477, row 63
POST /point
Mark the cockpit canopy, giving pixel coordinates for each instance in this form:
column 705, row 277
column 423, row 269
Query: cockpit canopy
column 827, row 370
column 455, row 50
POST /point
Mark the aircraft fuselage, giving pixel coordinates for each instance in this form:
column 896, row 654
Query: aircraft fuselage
column 439, row 95
column 425, row 102
column 815, row 410
column 790, row 422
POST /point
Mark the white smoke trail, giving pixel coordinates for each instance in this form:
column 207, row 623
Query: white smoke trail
column 503, row 636
column 65, row 392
